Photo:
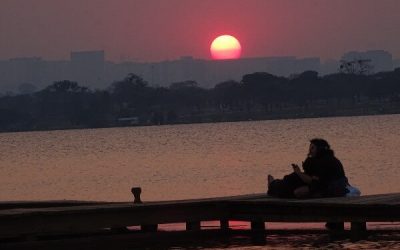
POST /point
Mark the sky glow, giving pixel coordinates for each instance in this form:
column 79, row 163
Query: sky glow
column 155, row 30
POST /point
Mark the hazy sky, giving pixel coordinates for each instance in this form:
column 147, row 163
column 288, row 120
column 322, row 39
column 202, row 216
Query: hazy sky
column 149, row 30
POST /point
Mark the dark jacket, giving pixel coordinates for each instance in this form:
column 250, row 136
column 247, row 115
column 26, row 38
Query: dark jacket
column 331, row 181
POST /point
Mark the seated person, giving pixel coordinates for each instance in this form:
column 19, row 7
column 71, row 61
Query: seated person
column 322, row 176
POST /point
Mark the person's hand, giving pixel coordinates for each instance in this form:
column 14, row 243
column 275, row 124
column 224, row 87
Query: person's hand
column 296, row 168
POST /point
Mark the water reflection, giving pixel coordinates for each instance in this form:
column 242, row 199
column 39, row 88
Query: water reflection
column 191, row 161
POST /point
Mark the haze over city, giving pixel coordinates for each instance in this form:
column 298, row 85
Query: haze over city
column 187, row 124
column 160, row 30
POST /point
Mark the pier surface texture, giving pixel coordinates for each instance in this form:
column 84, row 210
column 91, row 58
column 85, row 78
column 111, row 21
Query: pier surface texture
column 72, row 217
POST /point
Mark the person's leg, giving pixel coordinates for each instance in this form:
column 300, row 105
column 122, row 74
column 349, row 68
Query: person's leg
column 277, row 188
column 302, row 192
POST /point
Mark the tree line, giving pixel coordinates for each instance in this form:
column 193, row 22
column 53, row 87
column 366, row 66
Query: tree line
column 260, row 95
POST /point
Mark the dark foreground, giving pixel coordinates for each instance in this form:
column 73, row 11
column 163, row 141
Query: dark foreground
column 214, row 239
column 101, row 225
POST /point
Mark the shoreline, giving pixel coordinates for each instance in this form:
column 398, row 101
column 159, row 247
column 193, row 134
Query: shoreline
column 252, row 117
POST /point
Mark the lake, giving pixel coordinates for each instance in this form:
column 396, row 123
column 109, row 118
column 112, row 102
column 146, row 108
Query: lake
column 191, row 161
column 197, row 161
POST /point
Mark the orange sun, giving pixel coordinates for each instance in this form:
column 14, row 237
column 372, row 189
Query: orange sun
column 225, row 47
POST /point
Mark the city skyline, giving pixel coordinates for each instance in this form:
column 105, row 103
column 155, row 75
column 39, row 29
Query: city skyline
column 91, row 69
column 166, row 30
column 127, row 59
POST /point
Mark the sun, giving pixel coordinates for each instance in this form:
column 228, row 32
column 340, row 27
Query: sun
column 225, row 47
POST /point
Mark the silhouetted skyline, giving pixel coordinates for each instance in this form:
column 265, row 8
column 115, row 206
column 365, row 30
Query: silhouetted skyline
column 92, row 70
column 155, row 30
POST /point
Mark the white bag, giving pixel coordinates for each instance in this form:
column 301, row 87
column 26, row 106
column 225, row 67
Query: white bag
column 353, row 191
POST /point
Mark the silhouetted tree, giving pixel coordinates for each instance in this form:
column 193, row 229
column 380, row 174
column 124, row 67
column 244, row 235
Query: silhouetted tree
column 66, row 104
column 187, row 94
column 65, row 86
column 63, row 102
column 357, row 67
column 183, row 85
column 262, row 88
column 228, row 95
column 130, row 95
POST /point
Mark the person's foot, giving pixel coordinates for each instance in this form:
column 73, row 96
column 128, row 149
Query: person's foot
column 270, row 179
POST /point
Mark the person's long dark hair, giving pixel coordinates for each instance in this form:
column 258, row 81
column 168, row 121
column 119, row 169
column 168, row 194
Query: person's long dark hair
column 323, row 147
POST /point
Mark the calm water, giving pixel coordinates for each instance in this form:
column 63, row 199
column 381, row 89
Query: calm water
column 191, row 161
column 201, row 160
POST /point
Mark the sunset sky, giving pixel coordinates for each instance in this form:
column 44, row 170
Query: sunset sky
column 152, row 30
